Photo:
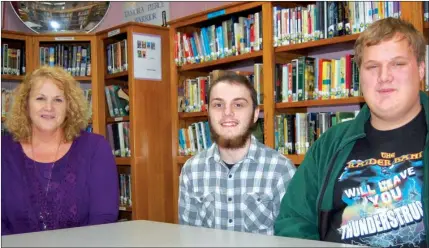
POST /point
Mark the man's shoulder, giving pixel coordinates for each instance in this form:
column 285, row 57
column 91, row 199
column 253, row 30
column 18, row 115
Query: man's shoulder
column 196, row 161
column 269, row 155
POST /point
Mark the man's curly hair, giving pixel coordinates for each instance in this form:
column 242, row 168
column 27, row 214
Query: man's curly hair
column 18, row 122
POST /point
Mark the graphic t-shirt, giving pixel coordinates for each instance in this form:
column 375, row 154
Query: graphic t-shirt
column 377, row 196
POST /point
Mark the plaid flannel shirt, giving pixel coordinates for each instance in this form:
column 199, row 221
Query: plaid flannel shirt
column 245, row 198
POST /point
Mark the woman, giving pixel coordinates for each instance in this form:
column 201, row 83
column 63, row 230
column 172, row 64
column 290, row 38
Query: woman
column 54, row 174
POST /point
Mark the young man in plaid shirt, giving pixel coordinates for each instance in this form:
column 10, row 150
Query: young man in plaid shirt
column 238, row 183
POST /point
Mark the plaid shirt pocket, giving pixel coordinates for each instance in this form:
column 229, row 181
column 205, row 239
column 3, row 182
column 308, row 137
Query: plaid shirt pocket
column 206, row 207
column 258, row 211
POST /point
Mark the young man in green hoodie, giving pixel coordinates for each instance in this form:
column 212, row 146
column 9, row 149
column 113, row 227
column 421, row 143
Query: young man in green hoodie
column 366, row 181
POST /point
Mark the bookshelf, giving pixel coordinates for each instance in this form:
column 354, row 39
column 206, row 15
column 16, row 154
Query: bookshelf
column 269, row 55
column 13, row 69
column 148, row 117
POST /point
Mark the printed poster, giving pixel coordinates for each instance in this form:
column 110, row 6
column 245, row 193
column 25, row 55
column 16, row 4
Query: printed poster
column 147, row 56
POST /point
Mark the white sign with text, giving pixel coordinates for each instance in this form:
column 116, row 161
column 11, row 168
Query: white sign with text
column 147, row 12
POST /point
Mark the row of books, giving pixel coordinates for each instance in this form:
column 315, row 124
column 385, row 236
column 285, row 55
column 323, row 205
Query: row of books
column 118, row 134
column 196, row 137
column 125, row 199
column 88, row 96
column 117, row 59
column 192, row 92
column 308, row 78
column 328, row 19
column 13, row 61
column 6, row 101
column 76, row 59
column 296, row 133
column 235, row 36
column 117, row 100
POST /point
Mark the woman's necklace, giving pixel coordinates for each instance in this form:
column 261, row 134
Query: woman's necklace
column 41, row 216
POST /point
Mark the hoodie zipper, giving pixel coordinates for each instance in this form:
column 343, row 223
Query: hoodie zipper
column 329, row 172
column 327, row 178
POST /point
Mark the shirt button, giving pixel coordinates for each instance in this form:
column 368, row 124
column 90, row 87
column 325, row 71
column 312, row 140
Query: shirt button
column 230, row 220
column 229, row 199
column 230, row 176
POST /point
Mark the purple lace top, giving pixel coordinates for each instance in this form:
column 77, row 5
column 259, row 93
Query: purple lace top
column 83, row 189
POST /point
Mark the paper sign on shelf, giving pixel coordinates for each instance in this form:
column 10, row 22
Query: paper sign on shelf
column 147, row 56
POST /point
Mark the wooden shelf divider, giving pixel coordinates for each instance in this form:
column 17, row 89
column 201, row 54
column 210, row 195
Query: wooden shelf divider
column 320, row 103
column 12, row 77
column 230, row 59
column 116, row 75
column 123, row 160
column 317, row 43
column 117, row 119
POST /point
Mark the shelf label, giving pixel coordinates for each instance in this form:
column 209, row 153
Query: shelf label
column 119, row 119
column 113, row 32
column 64, row 38
column 216, row 14
column 122, row 208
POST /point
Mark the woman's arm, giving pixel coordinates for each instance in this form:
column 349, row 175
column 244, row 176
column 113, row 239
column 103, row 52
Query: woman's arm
column 103, row 186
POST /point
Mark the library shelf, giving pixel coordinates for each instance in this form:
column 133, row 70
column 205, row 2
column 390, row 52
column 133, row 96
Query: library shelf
column 222, row 61
column 12, row 77
column 295, row 158
column 117, row 119
column 83, row 78
column 125, row 208
column 186, row 115
column 116, row 75
column 317, row 43
column 123, row 160
column 320, row 103
column 182, row 159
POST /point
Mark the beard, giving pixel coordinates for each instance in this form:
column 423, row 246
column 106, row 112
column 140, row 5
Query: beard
column 234, row 142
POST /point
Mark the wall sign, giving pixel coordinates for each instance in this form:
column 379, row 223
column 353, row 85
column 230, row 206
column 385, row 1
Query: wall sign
column 156, row 13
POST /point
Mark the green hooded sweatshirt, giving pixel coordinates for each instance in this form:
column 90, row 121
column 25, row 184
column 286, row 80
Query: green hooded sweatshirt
column 304, row 210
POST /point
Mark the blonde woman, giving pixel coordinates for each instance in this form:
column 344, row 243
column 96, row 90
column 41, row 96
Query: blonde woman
column 54, row 174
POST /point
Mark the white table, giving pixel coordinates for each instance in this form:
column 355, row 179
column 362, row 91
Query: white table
column 148, row 233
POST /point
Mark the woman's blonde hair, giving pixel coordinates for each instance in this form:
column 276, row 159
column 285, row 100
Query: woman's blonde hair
column 387, row 28
column 18, row 122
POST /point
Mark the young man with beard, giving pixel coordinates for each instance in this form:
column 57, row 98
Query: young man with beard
column 366, row 181
column 238, row 183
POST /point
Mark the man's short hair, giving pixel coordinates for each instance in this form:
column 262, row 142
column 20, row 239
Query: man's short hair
column 385, row 29
column 234, row 78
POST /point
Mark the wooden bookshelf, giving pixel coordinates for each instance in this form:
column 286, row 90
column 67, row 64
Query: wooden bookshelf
column 83, row 78
column 426, row 25
column 223, row 61
column 268, row 56
column 123, row 161
column 182, row 159
column 317, row 43
column 116, row 75
column 320, row 103
column 117, row 119
column 12, row 77
column 125, row 208
column 296, row 159
column 149, row 122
